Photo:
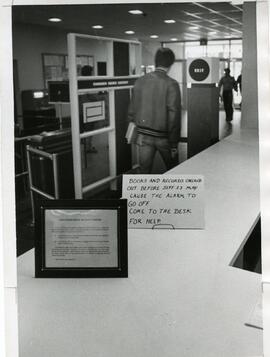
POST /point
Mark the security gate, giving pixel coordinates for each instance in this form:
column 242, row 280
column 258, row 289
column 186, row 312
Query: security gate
column 99, row 104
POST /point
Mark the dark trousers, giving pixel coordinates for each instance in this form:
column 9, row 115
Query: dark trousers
column 148, row 146
column 228, row 100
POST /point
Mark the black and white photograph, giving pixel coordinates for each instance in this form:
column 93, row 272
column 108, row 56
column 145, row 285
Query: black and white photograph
column 134, row 178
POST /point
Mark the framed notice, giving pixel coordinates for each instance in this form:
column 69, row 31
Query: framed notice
column 93, row 111
column 81, row 239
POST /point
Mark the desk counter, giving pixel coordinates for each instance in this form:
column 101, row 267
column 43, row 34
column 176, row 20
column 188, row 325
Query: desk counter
column 182, row 297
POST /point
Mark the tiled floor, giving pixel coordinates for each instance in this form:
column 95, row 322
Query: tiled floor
column 25, row 228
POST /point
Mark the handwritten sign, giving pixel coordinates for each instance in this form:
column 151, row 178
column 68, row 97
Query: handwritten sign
column 164, row 201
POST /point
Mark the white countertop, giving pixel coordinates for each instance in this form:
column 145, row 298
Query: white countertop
column 182, row 297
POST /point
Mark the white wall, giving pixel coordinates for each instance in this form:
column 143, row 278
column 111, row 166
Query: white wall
column 30, row 41
column 148, row 52
column 249, row 68
column 8, row 268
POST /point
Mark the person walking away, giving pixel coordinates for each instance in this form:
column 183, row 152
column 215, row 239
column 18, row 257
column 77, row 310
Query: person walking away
column 228, row 84
column 239, row 83
column 155, row 108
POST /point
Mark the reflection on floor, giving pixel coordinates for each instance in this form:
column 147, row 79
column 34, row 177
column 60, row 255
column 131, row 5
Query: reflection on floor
column 99, row 160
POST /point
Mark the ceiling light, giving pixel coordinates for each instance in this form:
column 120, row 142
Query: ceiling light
column 97, row 27
column 174, row 39
column 54, row 19
column 136, row 12
column 154, row 36
column 169, row 21
column 194, row 28
column 237, row 2
column 129, row 32
column 39, row 94
column 212, row 33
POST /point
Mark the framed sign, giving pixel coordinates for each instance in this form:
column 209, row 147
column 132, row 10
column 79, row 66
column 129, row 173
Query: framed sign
column 81, row 239
column 203, row 70
column 93, row 111
column 199, row 70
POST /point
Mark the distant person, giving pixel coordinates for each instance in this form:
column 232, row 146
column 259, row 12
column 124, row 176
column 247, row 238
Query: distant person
column 228, row 84
column 155, row 108
column 87, row 71
column 239, row 84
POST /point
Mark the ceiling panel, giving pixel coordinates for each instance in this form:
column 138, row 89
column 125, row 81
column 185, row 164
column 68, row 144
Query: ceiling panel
column 212, row 16
column 185, row 17
column 116, row 19
column 220, row 7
